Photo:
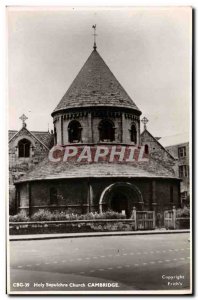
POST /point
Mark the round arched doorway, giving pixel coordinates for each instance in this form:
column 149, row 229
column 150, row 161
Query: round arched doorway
column 121, row 197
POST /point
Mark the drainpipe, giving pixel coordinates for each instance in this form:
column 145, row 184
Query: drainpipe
column 89, row 196
column 30, row 198
column 62, row 130
column 154, row 203
column 16, row 200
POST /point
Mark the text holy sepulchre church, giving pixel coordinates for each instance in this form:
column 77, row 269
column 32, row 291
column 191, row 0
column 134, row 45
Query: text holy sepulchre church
column 96, row 116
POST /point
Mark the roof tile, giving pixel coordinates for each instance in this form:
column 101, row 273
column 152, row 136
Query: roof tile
column 95, row 85
column 47, row 170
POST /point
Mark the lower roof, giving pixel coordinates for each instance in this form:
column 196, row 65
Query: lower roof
column 48, row 170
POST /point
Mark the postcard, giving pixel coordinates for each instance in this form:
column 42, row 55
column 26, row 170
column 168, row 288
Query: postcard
column 100, row 137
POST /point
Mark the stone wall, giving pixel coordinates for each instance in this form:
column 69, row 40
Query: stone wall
column 70, row 226
column 21, row 164
column 83, row 195
column 18, row 166
column 157, row 152
column 163, row 195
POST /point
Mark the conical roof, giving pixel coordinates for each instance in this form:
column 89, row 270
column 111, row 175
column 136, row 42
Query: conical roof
column 95, row 85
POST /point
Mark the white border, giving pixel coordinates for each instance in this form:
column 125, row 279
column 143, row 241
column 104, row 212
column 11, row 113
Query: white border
column 3, row 89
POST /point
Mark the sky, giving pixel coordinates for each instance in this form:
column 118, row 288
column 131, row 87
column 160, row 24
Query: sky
column 147, row 49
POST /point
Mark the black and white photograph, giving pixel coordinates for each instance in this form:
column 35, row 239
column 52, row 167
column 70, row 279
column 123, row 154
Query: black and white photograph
column 100, row 141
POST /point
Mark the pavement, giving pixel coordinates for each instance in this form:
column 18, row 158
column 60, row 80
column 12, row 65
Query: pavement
column 92, row 234
column 128, row 263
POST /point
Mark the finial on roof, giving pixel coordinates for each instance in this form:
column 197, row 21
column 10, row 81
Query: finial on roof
column 144, row 121
column 23, row 119
column 94, row 27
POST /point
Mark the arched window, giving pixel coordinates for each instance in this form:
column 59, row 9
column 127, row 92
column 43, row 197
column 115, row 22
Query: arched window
column 53, row 196
column 24, row 148
column 106, row 131
column 133, row 134
column 74, row 132
column 146, row 149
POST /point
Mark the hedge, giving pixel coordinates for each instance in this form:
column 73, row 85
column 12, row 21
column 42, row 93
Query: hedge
column 46, row 215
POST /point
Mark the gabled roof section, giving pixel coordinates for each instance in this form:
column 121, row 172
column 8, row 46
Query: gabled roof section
column 157, row 141
column 44, row 137
column 11, row 133
column 95, row 85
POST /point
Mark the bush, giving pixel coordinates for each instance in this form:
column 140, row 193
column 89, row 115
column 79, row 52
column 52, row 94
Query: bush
column 42, row 215
column 101, row 216
column 20, row 217
column 47, row 215
column 113, row 215
column 183, row 212
column 71, row 217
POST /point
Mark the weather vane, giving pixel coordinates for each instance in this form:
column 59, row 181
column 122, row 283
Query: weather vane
column 23, row 119
column 94, row 27
column 144, row 121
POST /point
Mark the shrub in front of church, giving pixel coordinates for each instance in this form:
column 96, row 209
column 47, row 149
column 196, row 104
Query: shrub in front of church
column 102, row 216
column 183, row 212
column 110, row 215
column 20, row 217
column 47, row 215
column 90, row 222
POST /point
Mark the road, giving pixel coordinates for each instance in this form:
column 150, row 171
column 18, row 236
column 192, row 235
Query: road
column 141, row 262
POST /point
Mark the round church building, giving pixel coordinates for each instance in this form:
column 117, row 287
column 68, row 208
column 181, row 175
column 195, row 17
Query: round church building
column 98, row 161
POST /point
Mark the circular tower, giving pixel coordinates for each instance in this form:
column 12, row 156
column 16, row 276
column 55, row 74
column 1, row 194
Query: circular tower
column 96, row 109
